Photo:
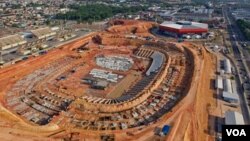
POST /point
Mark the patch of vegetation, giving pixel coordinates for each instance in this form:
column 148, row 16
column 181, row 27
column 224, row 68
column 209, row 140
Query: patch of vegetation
column 16, row 6
column 199, row 1
column 36, row 5
column 232, row 78
column 97, row 12
column 244, row 27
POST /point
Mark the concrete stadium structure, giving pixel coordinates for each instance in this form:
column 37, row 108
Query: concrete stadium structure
column 70, row 91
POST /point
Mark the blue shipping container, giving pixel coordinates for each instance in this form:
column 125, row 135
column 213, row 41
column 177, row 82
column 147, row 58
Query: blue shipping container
column 165, row 129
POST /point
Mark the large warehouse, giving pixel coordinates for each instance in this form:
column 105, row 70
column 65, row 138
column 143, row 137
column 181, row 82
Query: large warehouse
column 183, row 27
column 11, row 43
column 44, row 33
column 233, row 118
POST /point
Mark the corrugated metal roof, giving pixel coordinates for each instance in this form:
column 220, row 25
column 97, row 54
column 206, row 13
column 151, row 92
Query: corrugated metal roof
column 11, row 41
column 219, row 83
column 184, row 25
column 43, row 32
column 227, row 65
column 227, row 85
column 171, row 24
column 234, row 87
column 233, row 118
column 230, row 96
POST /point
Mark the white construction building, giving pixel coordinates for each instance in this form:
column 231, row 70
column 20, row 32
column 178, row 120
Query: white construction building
column 227, row 66
column 229, row 93
column 227, row 85
column 233, row 118
column 219, row 83
column 230, row 97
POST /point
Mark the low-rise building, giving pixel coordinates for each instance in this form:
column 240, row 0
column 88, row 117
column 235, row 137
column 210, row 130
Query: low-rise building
column 233, row 118
column 183, row 27
column 44, row 33
column 227, row 66
column 219, row 83
column 11, row 43
column 230, row 97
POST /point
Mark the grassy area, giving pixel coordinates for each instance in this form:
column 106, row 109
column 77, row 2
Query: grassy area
column 244, row 27
column 97, row 12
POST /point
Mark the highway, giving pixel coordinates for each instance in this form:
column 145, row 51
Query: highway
column 238, row 60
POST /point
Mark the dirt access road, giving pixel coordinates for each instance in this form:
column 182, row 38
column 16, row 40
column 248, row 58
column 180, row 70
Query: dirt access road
column 193, row 120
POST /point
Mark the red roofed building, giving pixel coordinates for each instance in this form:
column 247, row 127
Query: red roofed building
column 183, row 27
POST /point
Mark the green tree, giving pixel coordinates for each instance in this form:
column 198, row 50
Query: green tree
column 96, row 12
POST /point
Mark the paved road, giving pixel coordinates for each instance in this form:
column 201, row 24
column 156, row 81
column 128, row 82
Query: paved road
column 238, row 60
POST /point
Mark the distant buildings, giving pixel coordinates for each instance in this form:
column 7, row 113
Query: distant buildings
column 2, row 4
column 29, row 39
column 198, row 13
column 242, row 13
column 194, row 13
